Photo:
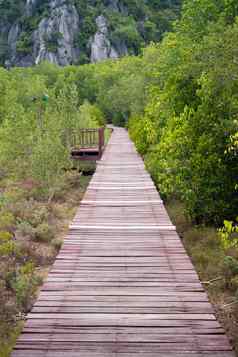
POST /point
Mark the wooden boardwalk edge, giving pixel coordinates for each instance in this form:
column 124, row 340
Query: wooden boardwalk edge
column 122, row 284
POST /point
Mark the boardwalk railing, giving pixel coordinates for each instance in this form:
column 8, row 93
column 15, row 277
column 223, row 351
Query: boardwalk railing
column 88, row 144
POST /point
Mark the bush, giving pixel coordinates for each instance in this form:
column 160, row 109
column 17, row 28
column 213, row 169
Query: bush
column 230, row 271
column 7, row 221
column 7, row 245
column 24, row 44
column 39, row 215
column 44, row 233
column 57, row 243
column 26, row 229
column 229, row 235
column 24, row 285
column 192, row 104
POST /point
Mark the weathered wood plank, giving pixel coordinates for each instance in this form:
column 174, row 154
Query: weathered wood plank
column 122, row 284
column 93, row 353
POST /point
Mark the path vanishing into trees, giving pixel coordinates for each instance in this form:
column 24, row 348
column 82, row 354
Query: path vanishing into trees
column 122, row 284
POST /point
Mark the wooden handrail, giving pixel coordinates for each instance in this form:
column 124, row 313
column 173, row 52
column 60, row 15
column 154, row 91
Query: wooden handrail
column 89, row 144
column 89, row 138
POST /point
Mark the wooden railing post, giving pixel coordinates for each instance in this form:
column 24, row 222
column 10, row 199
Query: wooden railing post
column 100, row 141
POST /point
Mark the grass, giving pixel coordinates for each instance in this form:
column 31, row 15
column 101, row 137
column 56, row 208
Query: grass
column 217, row 272
column 9, row 337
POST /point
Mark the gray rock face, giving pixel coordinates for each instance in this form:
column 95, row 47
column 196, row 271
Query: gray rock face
column 116, row 5
column 113, row 5
column 54, row 38
column 30, row 6
column 101, row 47
column 61, row 28
column 13, row 37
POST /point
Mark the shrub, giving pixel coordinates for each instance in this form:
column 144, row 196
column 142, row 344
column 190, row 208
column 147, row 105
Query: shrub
column 7, row 221
column 24, row 44
column 26, row 229
column 229, row 235
column 44, row 233
column 39, row 215
column 24, row 284
column 57, row 243
column 8, row 247
column 230, row 271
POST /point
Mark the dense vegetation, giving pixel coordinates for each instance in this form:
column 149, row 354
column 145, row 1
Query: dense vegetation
column 39, row 119
column 138, row 22
column 178, row 99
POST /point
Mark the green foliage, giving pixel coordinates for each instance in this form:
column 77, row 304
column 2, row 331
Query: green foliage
column 230, row 271
column 143, row 133
column 229, row 235
column 7, row 224
column 36, row 135
column 120, row 87
column 10, row 9
column 13, row 11
column 192, row 104
column 44, row 232
column 179, row 100
column 7, row 246
column 24, row 284
column 51, row 42
column 40, row 111
column 24, row 43
column 26, row 229
column 124, row 30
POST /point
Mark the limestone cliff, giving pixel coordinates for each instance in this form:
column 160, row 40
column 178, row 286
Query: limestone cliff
column 74, row 31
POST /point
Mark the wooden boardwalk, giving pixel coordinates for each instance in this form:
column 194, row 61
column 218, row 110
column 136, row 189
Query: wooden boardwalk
column 122, row 284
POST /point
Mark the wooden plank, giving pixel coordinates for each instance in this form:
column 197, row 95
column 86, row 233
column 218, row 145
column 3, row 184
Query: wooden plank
column 120, row 203
column 123, row 227
column 122, row 284
column 59, row 353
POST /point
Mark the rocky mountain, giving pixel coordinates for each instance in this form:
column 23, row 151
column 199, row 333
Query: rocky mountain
column 79, row 31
